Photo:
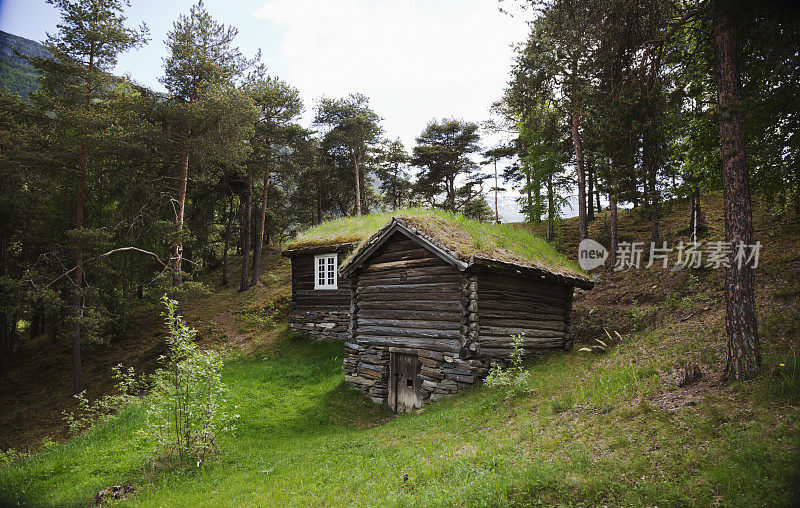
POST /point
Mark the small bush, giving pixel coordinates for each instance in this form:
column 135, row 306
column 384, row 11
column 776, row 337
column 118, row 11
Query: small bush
column 11, row 456
column 515, row 378
column 259, row 317
column 186, row 411
column 90, row 413
column 640, row 316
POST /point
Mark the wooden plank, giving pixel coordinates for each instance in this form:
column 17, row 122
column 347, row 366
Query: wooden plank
column 410, row 263
column 409, row 314
column 507, row 331
column 408, row 323
column 506, row 341
column 417, row 253
column 504, row 307
column 496, row 278
column 401, row 277
column 386, row 331
column 515, row 296
column 409, row 288
column 442, row 345
column 501, row 311
column 433, row 269
column 398, row 242
column 425, row 305
column 408, row 296
column 523, row 324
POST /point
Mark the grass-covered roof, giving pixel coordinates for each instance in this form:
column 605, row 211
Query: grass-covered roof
column 464, row 238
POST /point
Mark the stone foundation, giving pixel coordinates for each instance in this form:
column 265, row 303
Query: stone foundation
column 366, row 368
column 321, row 325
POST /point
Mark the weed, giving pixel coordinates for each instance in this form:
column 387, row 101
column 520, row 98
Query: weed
column 264, row 318
column 514, row 378
column 89, row 413
column 640, row 316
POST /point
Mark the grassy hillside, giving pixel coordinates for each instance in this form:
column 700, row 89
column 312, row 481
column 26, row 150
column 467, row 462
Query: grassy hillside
column 16, row 74
column 611, row 429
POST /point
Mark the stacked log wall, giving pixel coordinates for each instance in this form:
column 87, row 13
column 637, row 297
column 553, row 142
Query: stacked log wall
column 407, row 300
column 322, row 313
column 510, row 305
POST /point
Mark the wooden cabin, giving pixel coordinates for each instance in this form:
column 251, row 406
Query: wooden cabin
column 430, row 310
column 320, row 303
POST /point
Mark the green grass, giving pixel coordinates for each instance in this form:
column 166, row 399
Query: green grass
column 583, row 434
column 459, row 234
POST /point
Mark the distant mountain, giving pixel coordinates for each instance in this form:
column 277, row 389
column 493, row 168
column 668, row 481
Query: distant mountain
column 16, row 74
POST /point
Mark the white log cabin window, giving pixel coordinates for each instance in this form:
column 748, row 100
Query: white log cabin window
column 325, row 275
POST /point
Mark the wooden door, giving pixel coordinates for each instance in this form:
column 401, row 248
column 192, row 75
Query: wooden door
column 405, row 382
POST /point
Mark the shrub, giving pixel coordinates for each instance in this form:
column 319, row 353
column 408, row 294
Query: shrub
column 186, row 408
column 515, row 378
column 90, row 413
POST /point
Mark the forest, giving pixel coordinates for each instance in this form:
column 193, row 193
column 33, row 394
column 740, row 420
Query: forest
column 115, row 195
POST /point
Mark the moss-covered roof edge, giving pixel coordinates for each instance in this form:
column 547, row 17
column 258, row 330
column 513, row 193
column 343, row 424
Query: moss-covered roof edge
column 363, row 251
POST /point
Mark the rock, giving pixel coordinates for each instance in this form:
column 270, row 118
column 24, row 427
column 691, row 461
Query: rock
column 113, row 493
column 677, row 268
column 688, row 374
column 598, row 350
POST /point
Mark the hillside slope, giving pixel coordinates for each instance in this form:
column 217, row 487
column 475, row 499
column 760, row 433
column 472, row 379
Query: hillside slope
column 612, row 429
column 16, row 74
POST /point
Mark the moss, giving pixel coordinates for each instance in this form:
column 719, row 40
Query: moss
column 464, row 237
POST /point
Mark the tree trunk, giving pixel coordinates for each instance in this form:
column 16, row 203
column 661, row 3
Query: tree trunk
column 650, row 163
column 496, row 210
column 247, row 218
column 262, row 218
column 77, row 296
column 177, row 252
column 228, row 228
column 551, row 208
column 319, row 203
column 744, row 352
column 530, row 197
column 357, row 178
column 695, row 217
column 612, row 224
column 576, row 141
column 590, row 189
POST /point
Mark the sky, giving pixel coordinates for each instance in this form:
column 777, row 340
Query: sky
column 415, row 59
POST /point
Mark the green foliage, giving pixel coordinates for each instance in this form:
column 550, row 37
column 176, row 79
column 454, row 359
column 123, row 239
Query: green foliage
column 92, row 413
column 352, row 132
column 443, row 154
column 18, row 79
column 640, row 316
column 187, row 409
column 264, row 318
column 514, row 378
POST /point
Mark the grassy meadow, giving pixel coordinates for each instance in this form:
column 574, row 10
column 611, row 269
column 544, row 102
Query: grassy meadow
column 585, row 432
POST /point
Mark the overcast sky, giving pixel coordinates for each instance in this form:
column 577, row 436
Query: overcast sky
column 415, row 59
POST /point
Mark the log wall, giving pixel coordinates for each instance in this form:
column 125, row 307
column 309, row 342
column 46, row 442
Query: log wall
column 509, row 305
column 406, row 300
column 322, row 313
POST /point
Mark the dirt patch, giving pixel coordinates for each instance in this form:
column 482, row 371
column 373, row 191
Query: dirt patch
column 686, row 396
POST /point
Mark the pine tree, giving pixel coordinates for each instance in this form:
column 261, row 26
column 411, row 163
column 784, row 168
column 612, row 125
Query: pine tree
column 199, row 75
column 90, row 37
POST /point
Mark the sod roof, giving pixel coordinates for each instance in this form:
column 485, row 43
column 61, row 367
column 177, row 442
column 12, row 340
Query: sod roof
column 473, row 242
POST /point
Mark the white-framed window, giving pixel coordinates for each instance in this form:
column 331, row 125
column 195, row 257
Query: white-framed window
column 325, row 274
